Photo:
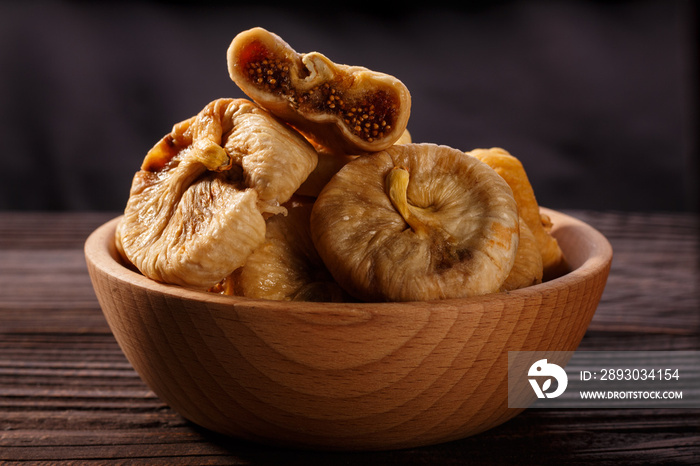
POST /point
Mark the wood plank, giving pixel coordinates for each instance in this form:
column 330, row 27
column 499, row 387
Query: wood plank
column 652, row 252
column 531, row 440
column 57, row 230
column 47, row 289
column 68, row 395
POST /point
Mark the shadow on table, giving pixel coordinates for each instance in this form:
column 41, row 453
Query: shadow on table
column 522, row 441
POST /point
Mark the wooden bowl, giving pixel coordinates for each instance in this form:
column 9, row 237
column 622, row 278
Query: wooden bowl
column 367, row 376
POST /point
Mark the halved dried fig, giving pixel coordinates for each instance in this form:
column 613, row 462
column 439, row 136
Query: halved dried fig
column 513, row 172
column 348, row 109
column 286, row 266
column 416, row 222
column 197, row 207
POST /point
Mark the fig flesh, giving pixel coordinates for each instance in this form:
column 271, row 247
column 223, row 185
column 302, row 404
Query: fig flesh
column 348, row 109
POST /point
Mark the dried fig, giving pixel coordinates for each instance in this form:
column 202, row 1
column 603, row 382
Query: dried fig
column 416, row 222
column 348, row 109
column 405, row 138
column 328, row 165
column 286, row 266
column 513, row 172
column 197, row 207
column 527, row 268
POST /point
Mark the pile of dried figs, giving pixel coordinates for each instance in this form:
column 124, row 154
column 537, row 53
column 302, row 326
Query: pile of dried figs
column 313, row 190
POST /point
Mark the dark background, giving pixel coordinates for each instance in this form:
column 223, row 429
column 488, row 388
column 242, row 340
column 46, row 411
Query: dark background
column 597, row 99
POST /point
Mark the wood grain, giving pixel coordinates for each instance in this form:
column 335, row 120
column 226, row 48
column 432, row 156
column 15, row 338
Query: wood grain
column 352, row 376
column 68, row 395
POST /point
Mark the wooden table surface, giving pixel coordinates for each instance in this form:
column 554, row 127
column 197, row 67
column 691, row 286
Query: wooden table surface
column 68, row 395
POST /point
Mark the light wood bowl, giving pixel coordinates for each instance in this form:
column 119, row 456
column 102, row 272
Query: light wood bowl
column 344, row 376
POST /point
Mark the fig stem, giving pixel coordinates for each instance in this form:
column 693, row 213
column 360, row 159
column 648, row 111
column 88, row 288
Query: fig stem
column 211, row 155
column 397, row 188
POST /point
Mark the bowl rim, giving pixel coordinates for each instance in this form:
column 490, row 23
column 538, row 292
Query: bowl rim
column 104, row 258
